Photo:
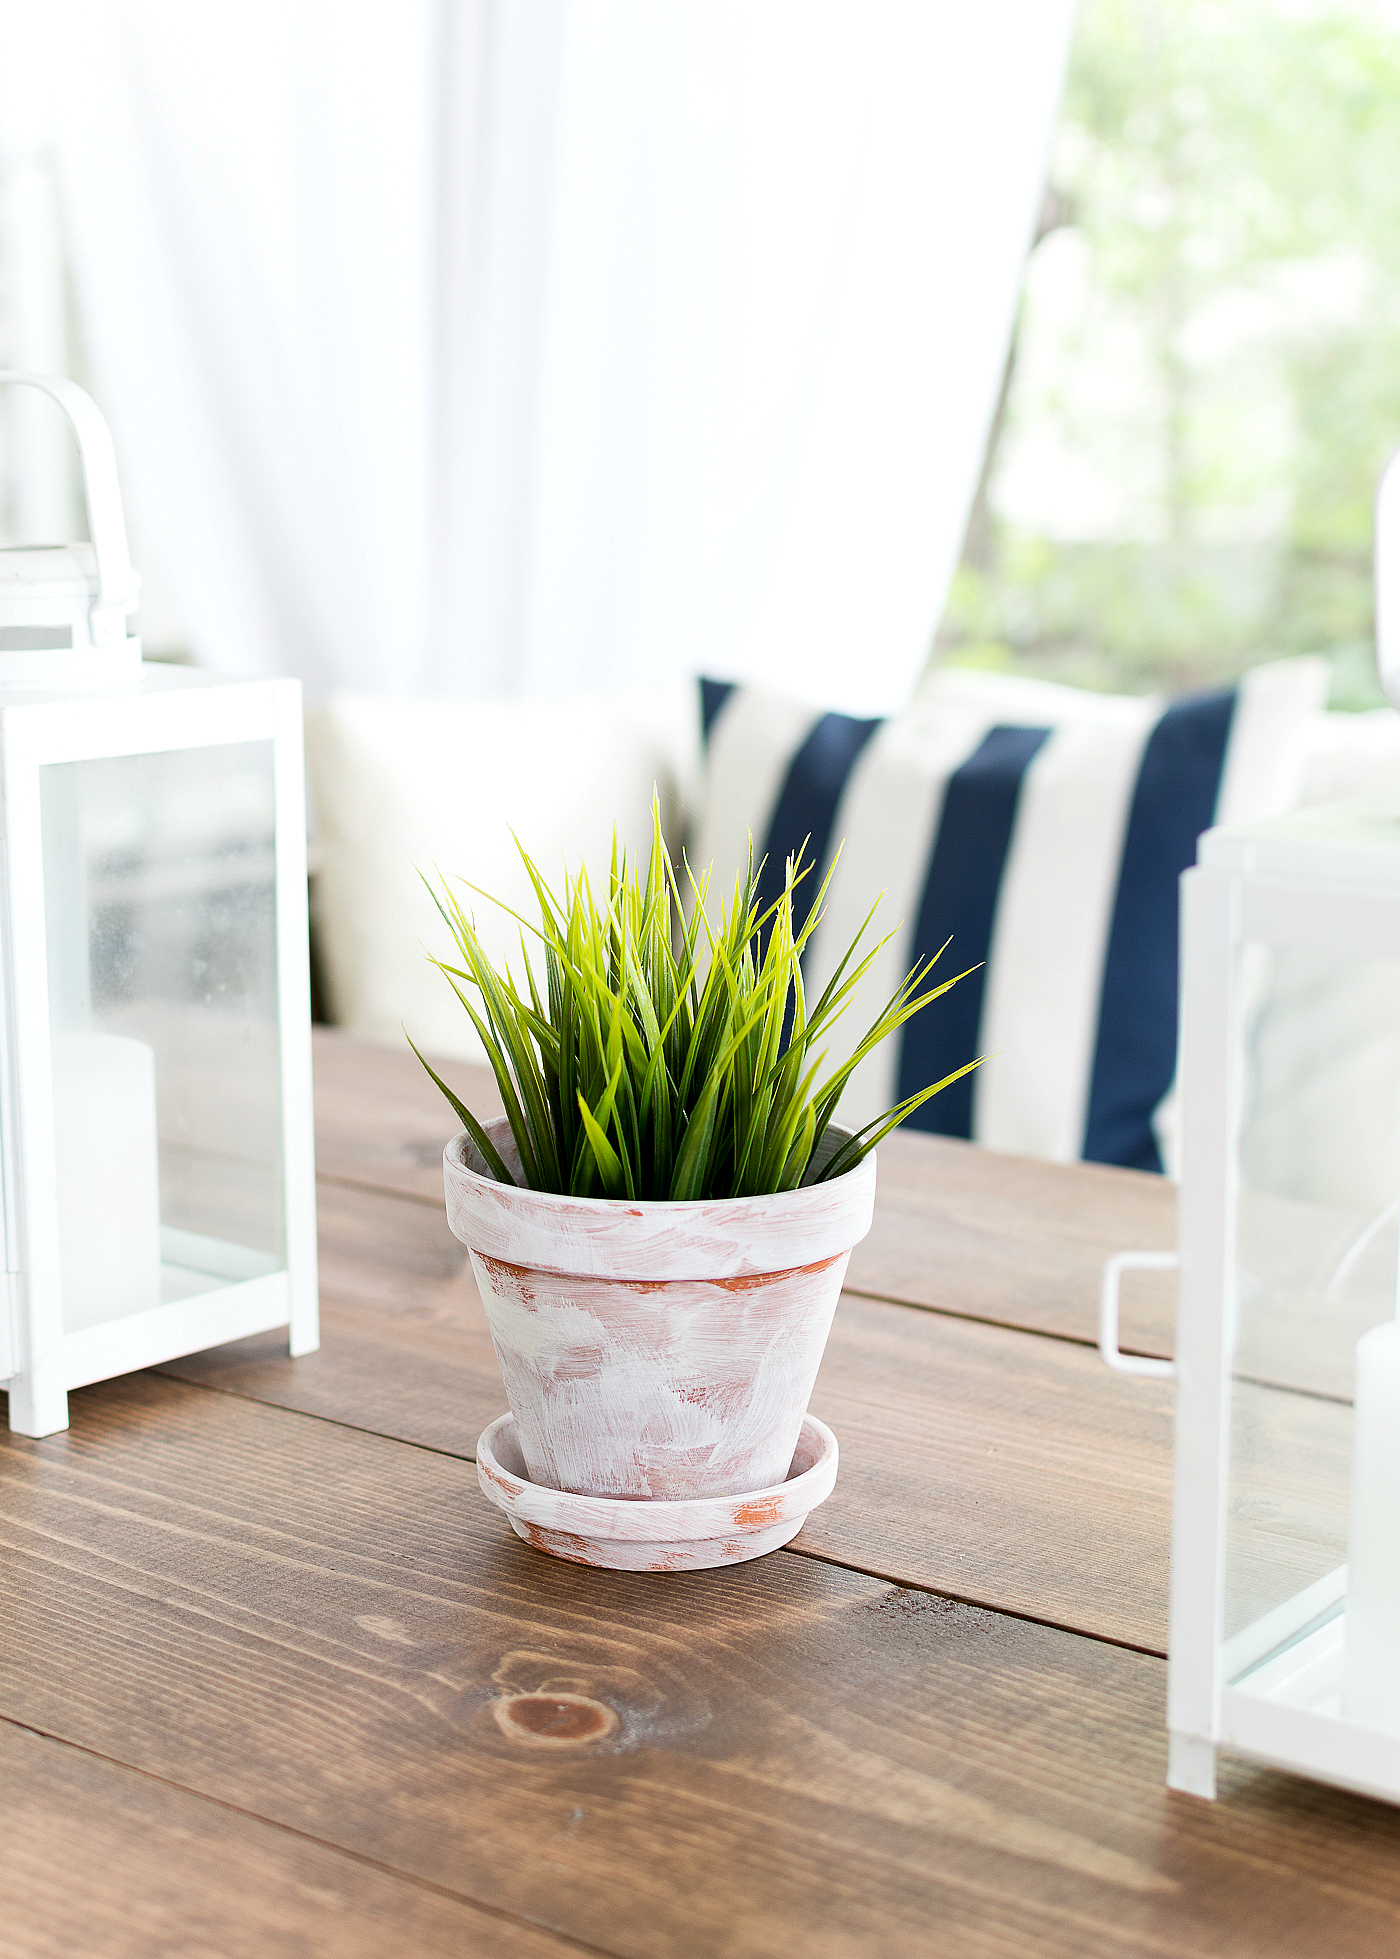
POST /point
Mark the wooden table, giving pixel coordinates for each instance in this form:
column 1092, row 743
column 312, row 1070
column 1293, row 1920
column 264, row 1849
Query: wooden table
column 260, row 1632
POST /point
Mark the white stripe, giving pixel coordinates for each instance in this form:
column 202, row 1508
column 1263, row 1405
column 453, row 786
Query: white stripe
column 1040, row 1011
column 1014, row 701
column 887, row 820
column 1267, row 753
column 1266, row 762
column 752, row 743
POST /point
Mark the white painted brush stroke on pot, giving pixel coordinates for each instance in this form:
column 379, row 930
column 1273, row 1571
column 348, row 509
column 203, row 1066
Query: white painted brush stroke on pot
column 656, row 1350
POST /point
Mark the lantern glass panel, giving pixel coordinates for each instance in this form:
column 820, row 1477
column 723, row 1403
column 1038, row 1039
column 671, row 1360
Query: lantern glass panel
column 1315, row 1258
column 161, row 941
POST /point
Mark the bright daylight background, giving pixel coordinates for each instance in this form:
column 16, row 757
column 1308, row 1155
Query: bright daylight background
column 491, row 350
column 1207, row 370
column 496, row 366
column 477, row 348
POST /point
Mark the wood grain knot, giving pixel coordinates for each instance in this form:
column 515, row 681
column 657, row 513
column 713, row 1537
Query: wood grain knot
column 554, row 1720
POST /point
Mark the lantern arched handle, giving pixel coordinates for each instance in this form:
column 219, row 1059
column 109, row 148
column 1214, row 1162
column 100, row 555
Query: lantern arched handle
column 1121, row 1363
column 116, row 582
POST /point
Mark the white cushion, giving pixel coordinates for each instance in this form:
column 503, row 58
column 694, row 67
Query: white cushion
column 400, row 786
column 1348, row 755
column 1324, row 1043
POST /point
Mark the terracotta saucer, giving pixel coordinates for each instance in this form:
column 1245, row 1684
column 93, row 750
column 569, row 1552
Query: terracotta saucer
column 630, row 1534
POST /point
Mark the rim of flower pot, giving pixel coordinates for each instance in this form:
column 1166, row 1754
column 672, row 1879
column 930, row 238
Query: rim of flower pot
column 653, row 1238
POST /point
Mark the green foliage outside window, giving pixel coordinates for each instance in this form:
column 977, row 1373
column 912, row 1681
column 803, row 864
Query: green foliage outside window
column 1206, row 379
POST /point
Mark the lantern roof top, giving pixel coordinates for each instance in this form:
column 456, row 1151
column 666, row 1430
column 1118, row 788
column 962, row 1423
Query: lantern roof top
column 1353, row 843
column 153, row 678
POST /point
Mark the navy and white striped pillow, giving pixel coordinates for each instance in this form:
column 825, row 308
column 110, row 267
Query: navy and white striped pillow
column 1044, row 829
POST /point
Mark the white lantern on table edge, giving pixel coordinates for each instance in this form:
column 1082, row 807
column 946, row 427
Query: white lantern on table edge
column 1284, row 1645
column 156, row 1165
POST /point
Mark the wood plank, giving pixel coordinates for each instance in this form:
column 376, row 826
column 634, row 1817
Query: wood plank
column 1006, row 1470
column 405, row 1349
column 379, row 1119
column 102, row 1860
column 996, row 1467
column 957, row 1228
column 1021, row 1243
column 1019, row 1472
column 334, row 1632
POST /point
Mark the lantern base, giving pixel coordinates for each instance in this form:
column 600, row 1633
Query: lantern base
column 207, row 1313
column 37, row 1407
column 1191, row 1765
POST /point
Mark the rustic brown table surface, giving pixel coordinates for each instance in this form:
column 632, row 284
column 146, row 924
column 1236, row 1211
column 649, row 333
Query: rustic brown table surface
column 262, row 1635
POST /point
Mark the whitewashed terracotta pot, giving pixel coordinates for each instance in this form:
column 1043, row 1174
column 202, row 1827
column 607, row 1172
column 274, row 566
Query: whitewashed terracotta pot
column 654, row 1349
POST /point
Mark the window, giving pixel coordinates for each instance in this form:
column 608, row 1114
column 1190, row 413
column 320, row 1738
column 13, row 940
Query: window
column 1206, row 376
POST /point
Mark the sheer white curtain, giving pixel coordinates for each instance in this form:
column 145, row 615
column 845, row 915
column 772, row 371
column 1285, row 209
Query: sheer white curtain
column 493, row 348
column 249, row 203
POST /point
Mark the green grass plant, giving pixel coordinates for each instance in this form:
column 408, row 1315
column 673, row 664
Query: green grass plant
column 669, row 1059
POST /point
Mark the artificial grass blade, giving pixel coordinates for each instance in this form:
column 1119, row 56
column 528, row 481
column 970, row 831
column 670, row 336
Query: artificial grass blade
column 670, row 1057
column 469, row 1122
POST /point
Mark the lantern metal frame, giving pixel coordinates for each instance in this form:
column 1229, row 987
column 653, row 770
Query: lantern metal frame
column 167, row 709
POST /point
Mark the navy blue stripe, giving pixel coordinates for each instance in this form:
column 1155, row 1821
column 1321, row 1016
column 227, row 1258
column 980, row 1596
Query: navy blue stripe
column 806, row 810
column 1135, row 1055
column 713, row 695
column 960, row 901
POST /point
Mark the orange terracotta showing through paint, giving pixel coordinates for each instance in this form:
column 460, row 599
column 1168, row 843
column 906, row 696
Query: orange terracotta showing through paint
column 755, row 1281
column 750, row 1516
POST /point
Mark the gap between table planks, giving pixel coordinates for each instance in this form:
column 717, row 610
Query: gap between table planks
column 957, row 1228
column 327, row 1630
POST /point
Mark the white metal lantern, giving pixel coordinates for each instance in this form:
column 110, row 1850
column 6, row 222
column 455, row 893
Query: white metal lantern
column 1285, row 1585
column 1285, row 1603
column 156, row 1170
